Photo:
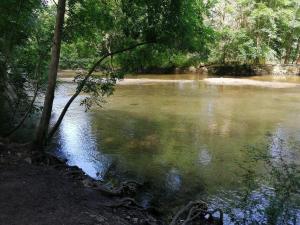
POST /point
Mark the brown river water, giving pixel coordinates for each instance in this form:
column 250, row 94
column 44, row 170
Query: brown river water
column 185, row 137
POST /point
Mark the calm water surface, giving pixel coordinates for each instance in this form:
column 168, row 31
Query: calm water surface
column 186, row 140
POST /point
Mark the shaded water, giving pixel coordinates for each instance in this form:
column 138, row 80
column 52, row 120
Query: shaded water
column 184, row 139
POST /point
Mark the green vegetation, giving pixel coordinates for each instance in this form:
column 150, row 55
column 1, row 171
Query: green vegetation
column 178, row 28
column 25, row 43
column 250, row 31
column 224, row 31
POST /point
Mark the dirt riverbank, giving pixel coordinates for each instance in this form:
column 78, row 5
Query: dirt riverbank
column 34, row 193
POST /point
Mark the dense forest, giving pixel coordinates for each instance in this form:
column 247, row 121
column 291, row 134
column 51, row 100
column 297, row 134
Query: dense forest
column 217, row 32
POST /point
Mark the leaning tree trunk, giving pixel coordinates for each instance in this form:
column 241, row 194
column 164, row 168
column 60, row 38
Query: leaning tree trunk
column 42, row 130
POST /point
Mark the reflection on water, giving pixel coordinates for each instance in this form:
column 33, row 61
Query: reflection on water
column 204, row 157
column 173, row 180
column 183, row 138
column 266, row 197
column 76, row 141
column 80, row 147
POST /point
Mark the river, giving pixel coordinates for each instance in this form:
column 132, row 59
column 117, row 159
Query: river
column 183, row 137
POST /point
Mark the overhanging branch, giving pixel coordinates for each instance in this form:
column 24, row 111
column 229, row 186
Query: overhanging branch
column 82, row 84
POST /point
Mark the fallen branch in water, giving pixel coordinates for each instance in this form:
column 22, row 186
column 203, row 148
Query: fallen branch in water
column 195, row 210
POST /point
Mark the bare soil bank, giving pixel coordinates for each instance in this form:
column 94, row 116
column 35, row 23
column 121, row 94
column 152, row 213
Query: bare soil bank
column 51, row 194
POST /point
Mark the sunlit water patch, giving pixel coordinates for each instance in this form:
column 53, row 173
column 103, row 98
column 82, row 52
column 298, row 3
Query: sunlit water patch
column 76, row 141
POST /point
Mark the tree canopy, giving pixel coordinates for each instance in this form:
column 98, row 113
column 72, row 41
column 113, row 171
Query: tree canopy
column 256, row 31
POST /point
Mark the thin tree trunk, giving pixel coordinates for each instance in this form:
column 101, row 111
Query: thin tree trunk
column 291, row 36
column 287, row 55
column 257, row 58
column 41, row 134
column 297, row 55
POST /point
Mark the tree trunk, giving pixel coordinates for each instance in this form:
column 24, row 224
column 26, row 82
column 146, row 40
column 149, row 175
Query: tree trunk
column 257, row 58
column 42, row 130
column 287, row 55
column 297, row 55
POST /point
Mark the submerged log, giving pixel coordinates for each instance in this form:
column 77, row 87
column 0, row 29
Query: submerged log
column 196, row 210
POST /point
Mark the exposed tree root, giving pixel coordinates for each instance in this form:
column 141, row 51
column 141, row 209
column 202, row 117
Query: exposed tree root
column 131, row 204
column 220, row 219
column 125, row 202
column 126, row 188
column 196, row 210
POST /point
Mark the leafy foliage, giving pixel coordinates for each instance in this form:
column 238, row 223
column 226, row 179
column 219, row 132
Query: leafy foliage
column 24, row 54
column 177, row 28
column 98, row 87
column 256, row 31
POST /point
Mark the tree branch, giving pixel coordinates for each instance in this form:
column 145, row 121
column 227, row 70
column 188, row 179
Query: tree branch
column 82, row 84
column 55, row 3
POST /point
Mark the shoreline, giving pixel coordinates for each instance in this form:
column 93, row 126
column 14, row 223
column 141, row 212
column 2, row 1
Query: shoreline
column 38, row 188
column 35, row 191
